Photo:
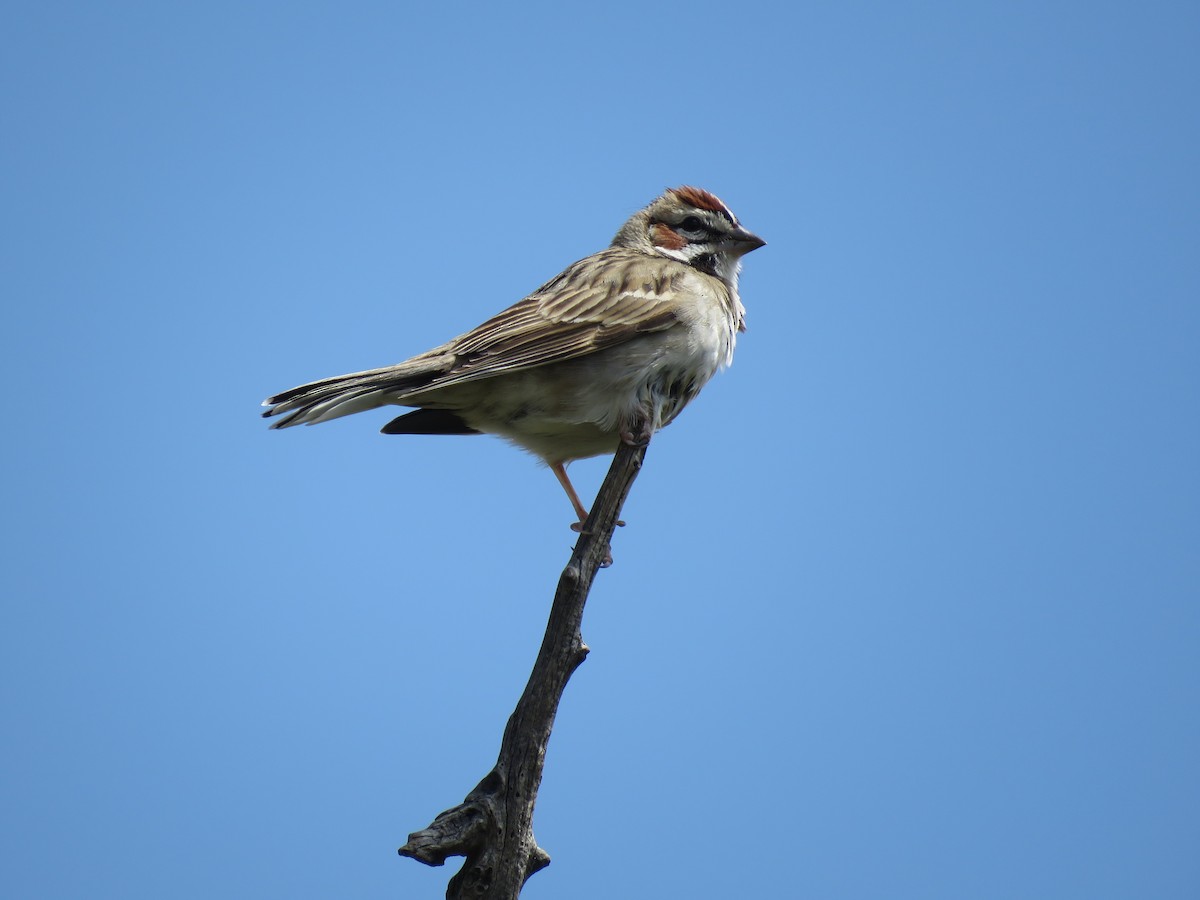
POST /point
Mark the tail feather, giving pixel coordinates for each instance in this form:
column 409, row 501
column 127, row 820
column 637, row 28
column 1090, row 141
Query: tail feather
column 331, row 398
column 311, row 410
column 428, row 421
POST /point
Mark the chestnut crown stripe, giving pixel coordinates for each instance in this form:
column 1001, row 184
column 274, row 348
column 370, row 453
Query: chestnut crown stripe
column 702, row 199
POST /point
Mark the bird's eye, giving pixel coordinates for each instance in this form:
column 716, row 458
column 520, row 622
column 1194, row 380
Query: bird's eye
column 691, row 223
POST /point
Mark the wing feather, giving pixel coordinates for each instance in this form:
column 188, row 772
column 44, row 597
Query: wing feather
column 613, row 297
column 607, row 299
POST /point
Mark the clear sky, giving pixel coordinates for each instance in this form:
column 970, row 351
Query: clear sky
column 908, row 605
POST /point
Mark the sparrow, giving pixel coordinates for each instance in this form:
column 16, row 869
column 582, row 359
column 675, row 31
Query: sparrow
column 609, row 350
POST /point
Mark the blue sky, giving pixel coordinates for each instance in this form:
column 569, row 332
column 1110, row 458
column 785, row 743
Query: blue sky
column 909, row 601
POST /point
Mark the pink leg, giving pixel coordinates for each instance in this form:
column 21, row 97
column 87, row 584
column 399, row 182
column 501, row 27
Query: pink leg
column 560, row 472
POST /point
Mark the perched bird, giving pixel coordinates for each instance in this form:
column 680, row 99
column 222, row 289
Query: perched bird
column 609, row 350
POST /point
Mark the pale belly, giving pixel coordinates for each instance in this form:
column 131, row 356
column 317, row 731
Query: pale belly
column 577, row 409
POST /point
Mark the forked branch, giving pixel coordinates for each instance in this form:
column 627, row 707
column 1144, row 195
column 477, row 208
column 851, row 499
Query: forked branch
column 493, row 826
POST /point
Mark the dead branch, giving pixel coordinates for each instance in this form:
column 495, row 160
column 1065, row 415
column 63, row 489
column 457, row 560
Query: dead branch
column 493, row 826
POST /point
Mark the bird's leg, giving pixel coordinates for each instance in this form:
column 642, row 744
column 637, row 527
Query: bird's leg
column 560, row 472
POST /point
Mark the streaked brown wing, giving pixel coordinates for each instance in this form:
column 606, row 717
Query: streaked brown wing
column 599, row 302
column 596, row 303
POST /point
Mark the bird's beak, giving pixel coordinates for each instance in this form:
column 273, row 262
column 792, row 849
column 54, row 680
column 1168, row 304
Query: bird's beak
column 744, row 241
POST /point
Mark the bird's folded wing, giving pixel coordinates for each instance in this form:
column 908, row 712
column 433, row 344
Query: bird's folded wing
column 596, row 303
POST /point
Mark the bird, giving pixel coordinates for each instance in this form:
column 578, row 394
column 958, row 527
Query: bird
column 608, row 351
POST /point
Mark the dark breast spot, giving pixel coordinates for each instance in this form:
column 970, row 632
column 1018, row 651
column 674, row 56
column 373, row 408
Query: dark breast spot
column 706, row 263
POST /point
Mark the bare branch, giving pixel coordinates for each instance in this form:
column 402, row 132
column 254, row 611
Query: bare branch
column 493, row 826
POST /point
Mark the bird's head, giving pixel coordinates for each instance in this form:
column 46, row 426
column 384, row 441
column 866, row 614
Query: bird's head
column 691, row 226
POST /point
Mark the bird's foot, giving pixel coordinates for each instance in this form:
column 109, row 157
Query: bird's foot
column 607, row 561
column 577, row 527
column 639, row 438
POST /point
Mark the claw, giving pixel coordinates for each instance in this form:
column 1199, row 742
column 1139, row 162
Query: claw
column 577, row 527
column 637, row 431
column 641, row 439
